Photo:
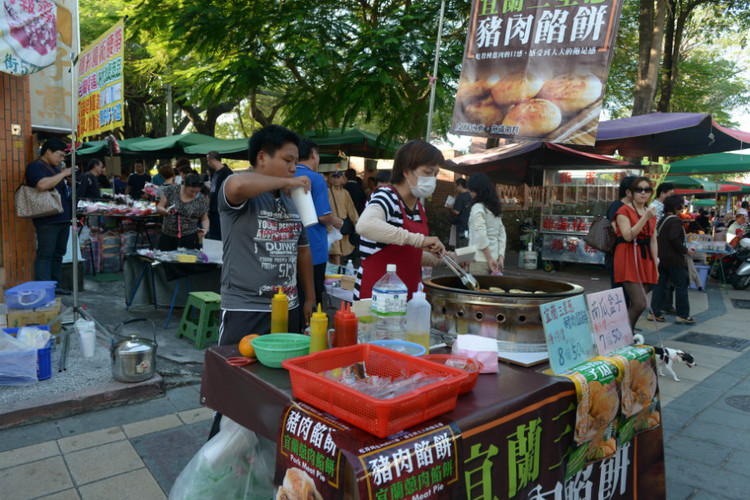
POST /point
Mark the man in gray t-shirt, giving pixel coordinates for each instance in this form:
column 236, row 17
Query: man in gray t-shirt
column 265, row 243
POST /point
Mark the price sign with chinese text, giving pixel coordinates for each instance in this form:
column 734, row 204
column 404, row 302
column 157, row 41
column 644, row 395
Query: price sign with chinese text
column 566, row 326
column 609, row 320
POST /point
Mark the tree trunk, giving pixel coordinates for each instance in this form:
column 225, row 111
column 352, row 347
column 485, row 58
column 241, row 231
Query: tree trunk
column 670, row 59
column 650, row 35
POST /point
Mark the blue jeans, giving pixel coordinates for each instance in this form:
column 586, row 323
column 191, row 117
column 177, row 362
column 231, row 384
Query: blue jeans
column 51, row 245
column 679, row 278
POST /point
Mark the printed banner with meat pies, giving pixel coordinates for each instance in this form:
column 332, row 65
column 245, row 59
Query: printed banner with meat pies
column 536, row 69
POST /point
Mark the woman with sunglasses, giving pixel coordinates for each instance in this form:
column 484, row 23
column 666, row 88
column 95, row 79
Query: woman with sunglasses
column 636, row 252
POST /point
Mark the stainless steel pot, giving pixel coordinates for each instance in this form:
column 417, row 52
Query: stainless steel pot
column 134, row 359
column 511, row 318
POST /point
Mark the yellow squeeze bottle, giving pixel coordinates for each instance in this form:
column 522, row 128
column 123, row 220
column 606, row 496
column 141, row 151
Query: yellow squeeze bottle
column 318, row 331
column 280, row 313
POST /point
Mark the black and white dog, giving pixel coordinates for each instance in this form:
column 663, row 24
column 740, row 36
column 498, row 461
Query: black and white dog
column 666, row 357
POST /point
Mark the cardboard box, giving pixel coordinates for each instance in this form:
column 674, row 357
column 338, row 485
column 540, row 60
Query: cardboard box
column 347, row 282
column 17, row 318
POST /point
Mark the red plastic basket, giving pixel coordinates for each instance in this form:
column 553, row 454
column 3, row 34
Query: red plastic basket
column 381, row 417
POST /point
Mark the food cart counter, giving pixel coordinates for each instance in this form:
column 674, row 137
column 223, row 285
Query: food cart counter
column 562, row 239
column 513, row 433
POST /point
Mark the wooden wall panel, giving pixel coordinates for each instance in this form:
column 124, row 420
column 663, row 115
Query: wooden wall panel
column 17, row 235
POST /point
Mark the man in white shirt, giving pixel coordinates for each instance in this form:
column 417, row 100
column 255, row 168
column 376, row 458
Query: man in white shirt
column 662, row 191
column 737, row 227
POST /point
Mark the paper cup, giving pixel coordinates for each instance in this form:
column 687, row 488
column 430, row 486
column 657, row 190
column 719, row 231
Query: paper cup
column 88, row 341
column 305, row 206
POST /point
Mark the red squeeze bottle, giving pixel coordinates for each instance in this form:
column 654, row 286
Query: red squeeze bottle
column 345, row 323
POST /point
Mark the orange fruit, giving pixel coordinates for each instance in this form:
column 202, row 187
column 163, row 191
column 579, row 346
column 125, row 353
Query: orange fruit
column 246, row 348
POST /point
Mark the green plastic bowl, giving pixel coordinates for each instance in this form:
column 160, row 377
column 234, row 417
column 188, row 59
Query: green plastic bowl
column 274, row 348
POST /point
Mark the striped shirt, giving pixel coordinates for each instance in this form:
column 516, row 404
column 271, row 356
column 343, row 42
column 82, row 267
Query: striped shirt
column 387, row 199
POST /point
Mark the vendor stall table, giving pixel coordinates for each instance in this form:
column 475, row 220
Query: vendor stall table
column 160, row 282
column 515, row 433
column 141, row 222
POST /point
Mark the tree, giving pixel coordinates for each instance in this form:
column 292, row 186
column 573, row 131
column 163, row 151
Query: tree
column 313, row 64
column 651, row 19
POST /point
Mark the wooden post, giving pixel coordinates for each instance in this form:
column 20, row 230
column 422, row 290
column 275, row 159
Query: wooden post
column 16, row 150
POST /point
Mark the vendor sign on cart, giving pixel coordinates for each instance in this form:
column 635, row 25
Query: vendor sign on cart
column 536, row 69
column 100, row 84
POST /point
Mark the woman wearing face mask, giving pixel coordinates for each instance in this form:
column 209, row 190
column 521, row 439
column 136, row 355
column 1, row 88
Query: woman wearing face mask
column 393, row 226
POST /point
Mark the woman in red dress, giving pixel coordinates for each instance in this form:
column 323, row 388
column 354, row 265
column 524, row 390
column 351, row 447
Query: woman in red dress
column 636, row 253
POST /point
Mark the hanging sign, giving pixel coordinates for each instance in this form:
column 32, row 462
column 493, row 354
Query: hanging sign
column 566, row 326
column 536, row 69
column 609, row 320
column 28, row 36
column 100, row 84
column 50, row 89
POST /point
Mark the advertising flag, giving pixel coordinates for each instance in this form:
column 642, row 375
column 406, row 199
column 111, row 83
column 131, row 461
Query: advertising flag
column 536, row 69
column 51, row 88
column 28, row 36
column 100, row 84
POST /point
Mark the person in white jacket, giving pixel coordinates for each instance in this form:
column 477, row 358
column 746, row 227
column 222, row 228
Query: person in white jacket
column 486, row 230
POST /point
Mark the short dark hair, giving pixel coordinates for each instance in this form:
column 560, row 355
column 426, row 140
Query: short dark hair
column 306, row 147
column 383, row 176
column 92, row 164
column 269, row 139
column 663, row 188
column 414, row 154
column 53, row 144
column 193, row 181
column 166, row 170
column 744, row 204
column 625, row 185
column 182, row 162
column 673, row 204
column 214, row 155
column 461, row 182
column 350, row 174
column 185, row 169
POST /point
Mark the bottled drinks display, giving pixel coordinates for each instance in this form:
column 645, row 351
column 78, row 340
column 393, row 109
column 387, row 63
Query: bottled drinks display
column 389, row 305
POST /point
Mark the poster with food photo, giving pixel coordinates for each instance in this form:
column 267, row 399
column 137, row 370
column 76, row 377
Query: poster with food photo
column 536, row 69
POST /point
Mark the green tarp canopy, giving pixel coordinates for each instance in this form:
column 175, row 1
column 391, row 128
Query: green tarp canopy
column 165, row 147
column 718, row 163
column 684, row 182
column 352, row 142
column 99, row 148
column 709, row 202
column 227, row 148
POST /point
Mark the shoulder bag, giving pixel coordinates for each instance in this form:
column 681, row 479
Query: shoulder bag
column 601, row 235
column 348, row 226
column 31, row 203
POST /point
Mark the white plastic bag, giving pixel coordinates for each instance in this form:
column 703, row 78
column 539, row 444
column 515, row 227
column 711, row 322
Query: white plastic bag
column 33, row 337
column 334, row 235
column 17, row 361
column 235, row 464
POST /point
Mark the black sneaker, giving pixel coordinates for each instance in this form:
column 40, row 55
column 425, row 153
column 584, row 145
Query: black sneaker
column 62, row 291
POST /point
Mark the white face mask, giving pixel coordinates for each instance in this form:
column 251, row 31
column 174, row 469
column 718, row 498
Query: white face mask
column 425, row 186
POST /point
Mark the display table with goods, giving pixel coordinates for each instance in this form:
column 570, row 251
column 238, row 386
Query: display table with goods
column 166, row 278
column 518, row 434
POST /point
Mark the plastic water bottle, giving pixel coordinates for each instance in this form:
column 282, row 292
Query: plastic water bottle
column 350, row 268
column 389, row 305
column 418, row 314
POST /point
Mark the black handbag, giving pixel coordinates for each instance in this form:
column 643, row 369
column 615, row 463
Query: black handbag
column 601, row 235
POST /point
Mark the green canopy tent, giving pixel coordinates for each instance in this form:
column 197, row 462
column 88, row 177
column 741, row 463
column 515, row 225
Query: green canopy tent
column 709, row 202
column 684, row 182
column 99, row 149
column 352, row 142
column 167, row 147
column 718, row 163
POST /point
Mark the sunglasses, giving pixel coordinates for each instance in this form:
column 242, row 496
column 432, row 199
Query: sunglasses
column 643, row 190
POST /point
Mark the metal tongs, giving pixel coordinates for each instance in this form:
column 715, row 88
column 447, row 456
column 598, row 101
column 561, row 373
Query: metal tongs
column 468, row 280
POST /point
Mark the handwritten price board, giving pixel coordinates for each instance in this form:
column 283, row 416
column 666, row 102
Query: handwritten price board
column 566, row 326
column 609, row 320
